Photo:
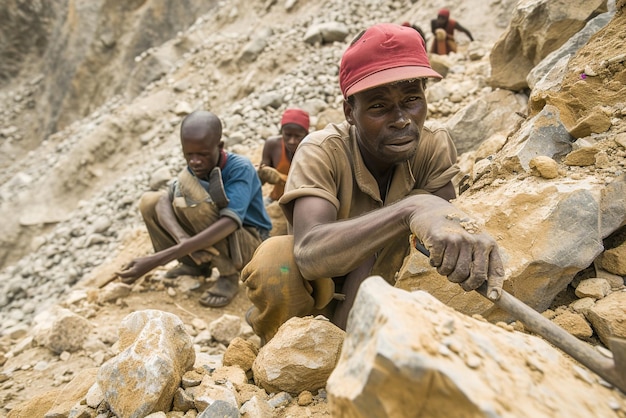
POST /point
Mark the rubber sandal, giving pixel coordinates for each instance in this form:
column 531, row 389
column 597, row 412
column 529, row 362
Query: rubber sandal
column 224, row 295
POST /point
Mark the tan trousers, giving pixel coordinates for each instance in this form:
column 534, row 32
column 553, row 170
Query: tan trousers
column 278, row 290
column 195, row 219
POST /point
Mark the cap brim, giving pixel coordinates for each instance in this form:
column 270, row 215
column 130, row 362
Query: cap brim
column 391, row 75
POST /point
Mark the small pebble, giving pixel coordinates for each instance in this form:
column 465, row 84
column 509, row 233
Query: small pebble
column 473, row 362
column 305, row 398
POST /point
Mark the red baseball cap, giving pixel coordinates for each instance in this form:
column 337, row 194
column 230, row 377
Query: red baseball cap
column 383, row 54
column 444, row 13
column 297, row 116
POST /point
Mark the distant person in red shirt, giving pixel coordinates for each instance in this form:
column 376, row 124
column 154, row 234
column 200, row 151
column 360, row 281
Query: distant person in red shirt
column 443, row 28
column 278, row 150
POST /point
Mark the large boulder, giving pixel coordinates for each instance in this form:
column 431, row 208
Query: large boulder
column 407, row 352
column 156, row 351
column 536, row 29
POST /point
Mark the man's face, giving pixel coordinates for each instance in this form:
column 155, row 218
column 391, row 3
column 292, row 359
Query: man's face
column 388, row 121
column 202, row 153
column 292, row 135
column 442, row 20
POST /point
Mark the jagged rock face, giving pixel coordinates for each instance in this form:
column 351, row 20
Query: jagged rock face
column 78, row 54
column 536, row 29
column 591, row 86
column 407, row 352
column 25, row 27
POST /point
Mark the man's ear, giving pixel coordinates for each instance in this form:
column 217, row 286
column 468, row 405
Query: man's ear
column 221, row 145
column 347, row 112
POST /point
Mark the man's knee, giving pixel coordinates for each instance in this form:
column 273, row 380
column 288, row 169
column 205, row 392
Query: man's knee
column 148, row 202
column 275, row 286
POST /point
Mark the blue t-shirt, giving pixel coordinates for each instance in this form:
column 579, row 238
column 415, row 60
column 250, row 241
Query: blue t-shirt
column 243, row 189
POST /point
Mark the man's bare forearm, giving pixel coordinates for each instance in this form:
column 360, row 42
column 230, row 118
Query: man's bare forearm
column 336, row 248
column 218, row 231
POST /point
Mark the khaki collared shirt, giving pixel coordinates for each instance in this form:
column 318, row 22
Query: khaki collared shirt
column 329, row 165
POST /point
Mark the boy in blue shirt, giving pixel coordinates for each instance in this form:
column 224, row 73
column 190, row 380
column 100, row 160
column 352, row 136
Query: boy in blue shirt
column 212, row 216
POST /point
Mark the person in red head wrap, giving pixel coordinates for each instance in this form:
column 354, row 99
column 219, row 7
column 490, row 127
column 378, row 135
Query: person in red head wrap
column 278, row 150
column 443, row 28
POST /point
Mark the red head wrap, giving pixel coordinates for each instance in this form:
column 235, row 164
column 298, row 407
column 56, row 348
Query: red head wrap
column 297, row 116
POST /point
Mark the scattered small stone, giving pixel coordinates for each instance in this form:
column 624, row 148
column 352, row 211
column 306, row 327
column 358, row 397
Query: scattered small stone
column 305, row 398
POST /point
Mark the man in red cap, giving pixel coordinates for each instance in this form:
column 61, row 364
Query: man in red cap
column 278, row 150
column 357, row 191
column 443, row 28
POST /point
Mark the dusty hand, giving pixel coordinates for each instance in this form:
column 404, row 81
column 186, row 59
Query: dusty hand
column 136, row 268
column 458, row 249
column 270, row 175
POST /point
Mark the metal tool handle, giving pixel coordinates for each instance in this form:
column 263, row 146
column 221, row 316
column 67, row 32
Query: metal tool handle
column 535, row 322
column 613, row 371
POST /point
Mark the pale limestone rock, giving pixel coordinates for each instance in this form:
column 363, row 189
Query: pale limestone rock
column 544, row 166
column 542, row 77
column 232, row 374
column 17, row 332
column 255, row 46
column 441, row 64
column 113, row 291
column 401, row 355
column 182, row 401
column 602, row 160
column 60, row 330
column 490, row 114
column 536, row 29
column 582, row 305
column 615, row 280
column 155, row 352
column 594, row 122
column 225, row 328
column 210, row 391
column 221, row 409
column 299, row 357
column 192, row 378
column 581, row 157
column 159, row 414
column 199, row 324
column 607, row 317
column 182, row 108
column 614, row 260
column 240, row 353
column 326, row 32
column 73, row 393
column 159, row 178
column 593, row 288
column 490, row 146
column 208, row 361
column 574, row 323
column 305, row 398
column 256, row 408
column 94, row 396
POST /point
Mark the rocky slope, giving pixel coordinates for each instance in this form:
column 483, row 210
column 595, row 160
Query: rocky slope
column 70, row 195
